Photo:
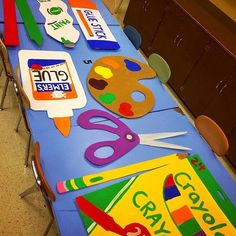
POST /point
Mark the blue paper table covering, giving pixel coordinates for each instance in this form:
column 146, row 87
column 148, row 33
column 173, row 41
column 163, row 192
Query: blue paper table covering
column 63, row 159
column 80, row 53
column 39, row 18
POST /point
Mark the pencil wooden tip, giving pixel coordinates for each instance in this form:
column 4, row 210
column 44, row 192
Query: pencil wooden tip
column 63, row 125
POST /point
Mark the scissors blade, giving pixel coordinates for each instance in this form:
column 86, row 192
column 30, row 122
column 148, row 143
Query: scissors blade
column 160, row 135
column 164, row 145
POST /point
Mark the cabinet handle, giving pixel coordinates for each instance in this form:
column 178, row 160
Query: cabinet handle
column 179, row 41
column 176, row 39
column 217, row 86
column 146, row 7
column 223, row 88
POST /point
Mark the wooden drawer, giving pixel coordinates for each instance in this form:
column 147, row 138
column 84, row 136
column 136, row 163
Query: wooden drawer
column 223, row 107
column 145, row 16
column 205, row 82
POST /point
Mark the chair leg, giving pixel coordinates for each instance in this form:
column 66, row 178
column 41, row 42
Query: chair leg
column 48, row 227
column 29, row 191
column 4, row 93
column 18, row 123
column 28, row 151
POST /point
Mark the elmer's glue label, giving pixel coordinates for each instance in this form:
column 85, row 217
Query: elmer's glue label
column 95, row 29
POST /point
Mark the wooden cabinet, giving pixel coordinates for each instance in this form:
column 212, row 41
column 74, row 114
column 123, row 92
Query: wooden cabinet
column 222, row 108
column 206, row 80
column 145, row 15
column 198, row 42
column 180, row 42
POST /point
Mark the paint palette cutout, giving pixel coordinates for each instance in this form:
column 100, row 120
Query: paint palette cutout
column 59, row 24
column 114, row 82
column 51, row 83
column 177, row 199
column 95, row 29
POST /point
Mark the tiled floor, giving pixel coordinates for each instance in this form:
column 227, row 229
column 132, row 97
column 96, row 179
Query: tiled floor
column 28, row 216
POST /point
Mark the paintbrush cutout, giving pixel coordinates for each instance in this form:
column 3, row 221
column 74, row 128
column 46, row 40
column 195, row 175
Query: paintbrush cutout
column 107, row 222
column 29, row 22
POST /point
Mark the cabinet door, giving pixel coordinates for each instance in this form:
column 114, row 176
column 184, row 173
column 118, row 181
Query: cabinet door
column 206, row 80
column 180, row 41
column 134, row 13
column 153, row 13
column 223, row 107
column 145, row 16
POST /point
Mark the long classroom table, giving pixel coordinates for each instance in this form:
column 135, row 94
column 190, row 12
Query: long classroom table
column 80, row 53
column 63, row 158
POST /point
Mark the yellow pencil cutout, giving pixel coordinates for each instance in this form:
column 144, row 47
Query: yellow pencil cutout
column 102, row 177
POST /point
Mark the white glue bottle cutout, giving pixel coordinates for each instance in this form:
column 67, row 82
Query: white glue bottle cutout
column 59, row 24
column 51, row 83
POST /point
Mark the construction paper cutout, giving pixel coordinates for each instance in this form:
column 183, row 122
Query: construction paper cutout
column 132, row 66
column 29, row 22
column 102, row 177
column 63, row 125
column 51, row 83
column 94, row 28
column 107, row 98
column 104, row 72
column 198, row 210
column 98, row 84
column 126, row 109
column 11, row 37
column 182, row 215
column 107, row 222
column 111, row 63
column 59, row 24
column 122, row 75
column 126, row 141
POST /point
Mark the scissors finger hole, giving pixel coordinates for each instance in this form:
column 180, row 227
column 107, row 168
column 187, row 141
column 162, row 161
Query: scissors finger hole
column 104, row 152
column 97, row 120
column 138, row 96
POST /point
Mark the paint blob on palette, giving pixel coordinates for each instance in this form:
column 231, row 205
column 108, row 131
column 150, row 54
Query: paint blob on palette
column 181, row 198
column 51, row 83
column 114, row 82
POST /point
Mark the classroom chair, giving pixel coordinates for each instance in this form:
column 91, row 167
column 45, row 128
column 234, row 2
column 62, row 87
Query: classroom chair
column 133, row 35
column 213, row 134
column 23, row 103
column 41, row 184
column 7, row 70
column 160, row 66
